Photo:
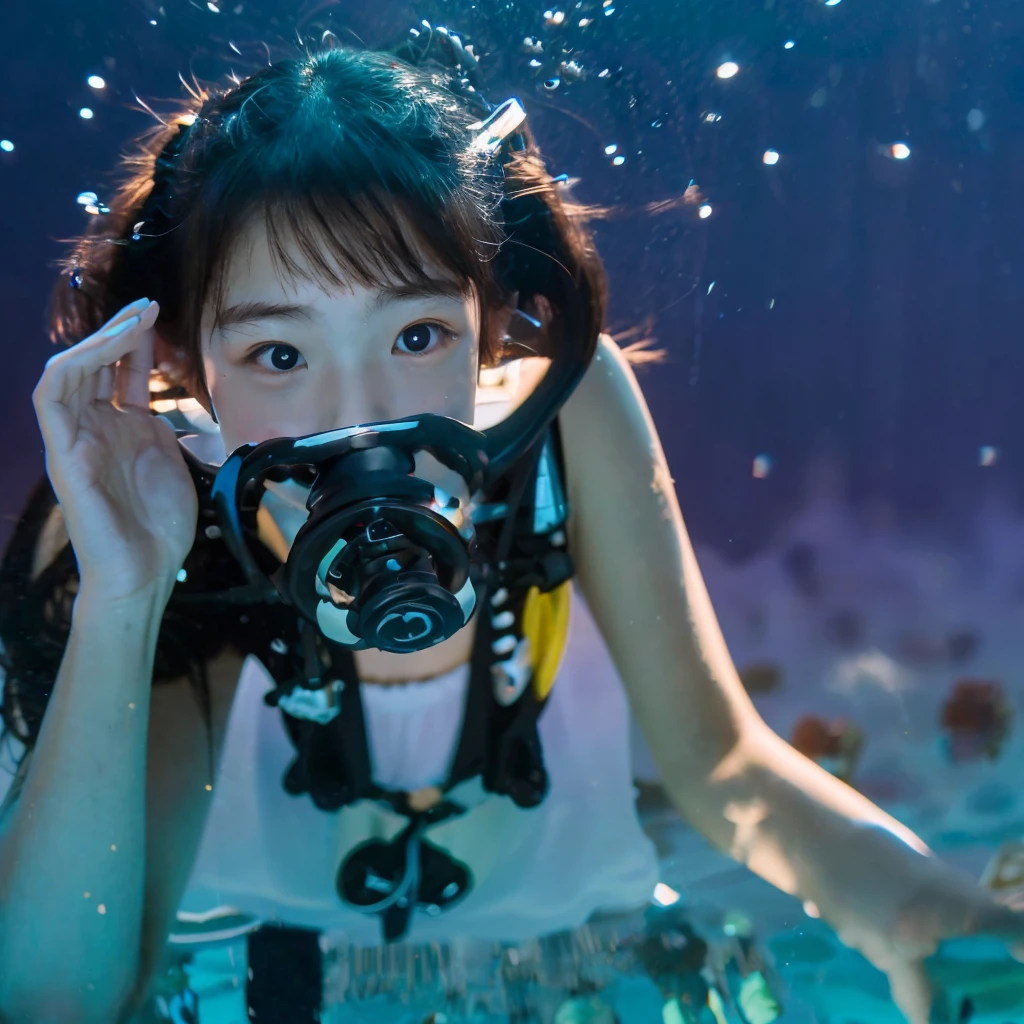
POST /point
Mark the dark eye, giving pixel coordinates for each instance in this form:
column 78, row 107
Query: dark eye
column 419, row 339
column 276, row 358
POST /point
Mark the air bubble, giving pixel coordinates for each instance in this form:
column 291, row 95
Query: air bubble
column 729, row 69
column 899, row 151
column 76, row 278
column 975, row 119
column 85, row 114
column 619, row 161
column 552, row 83
column 87, row 199
column 771, row 157
column 6, row 145
column 609, row 150
column 705, row 211
column 95, row 82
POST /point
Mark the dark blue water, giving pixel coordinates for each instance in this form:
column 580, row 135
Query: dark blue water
column 813, row 212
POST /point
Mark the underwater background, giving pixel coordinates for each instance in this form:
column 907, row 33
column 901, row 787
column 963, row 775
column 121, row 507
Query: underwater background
column 814, row 211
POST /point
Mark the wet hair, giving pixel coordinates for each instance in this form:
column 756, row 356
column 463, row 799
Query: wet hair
column 361, row 157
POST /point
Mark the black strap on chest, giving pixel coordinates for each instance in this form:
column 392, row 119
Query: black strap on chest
column 500, row 744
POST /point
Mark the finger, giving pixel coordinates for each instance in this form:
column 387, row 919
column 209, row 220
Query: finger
column 56, row 397
column 997, row 921
column 64, row 373
column 911, row 990
column 105, row 384
column 132, row 309
column 131, row 380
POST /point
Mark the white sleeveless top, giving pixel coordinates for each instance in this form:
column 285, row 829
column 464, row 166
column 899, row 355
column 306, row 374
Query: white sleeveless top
column 535, row 871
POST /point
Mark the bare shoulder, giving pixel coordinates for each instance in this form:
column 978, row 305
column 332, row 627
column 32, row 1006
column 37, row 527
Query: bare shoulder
column 609, row 436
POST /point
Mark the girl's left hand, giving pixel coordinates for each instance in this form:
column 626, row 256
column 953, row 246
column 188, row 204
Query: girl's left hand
column 903, row 920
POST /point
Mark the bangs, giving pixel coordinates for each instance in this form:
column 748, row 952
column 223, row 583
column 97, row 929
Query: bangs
column 336, row 241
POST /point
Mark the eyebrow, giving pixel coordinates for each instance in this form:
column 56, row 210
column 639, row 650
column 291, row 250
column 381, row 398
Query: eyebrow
column 253, row 311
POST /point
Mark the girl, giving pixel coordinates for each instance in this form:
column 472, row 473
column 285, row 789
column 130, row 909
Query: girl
column 354, row 238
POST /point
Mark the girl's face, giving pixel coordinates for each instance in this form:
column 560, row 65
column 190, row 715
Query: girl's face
column 288, row 359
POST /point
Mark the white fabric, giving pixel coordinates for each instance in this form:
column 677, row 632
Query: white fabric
column 535, row 871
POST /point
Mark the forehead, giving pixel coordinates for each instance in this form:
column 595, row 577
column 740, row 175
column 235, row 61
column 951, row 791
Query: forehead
column 299, row 259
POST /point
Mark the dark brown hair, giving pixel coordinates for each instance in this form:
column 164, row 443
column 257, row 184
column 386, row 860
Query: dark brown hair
column 365, row 159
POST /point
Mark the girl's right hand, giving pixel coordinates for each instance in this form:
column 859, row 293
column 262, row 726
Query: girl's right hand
column 128, row 500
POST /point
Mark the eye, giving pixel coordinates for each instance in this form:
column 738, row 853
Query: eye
column 423, row 338
column 282, row 358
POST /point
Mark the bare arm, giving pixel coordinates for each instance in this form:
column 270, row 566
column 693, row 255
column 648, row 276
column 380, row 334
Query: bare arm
column 745, row 788
column 72, row 847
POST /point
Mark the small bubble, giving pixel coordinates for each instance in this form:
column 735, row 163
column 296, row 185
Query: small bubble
column 665, row 895
column 705, row 211
column 819, row 98
column 209, row 788
column 987, row 455
column 728, row 70
column 610, row 149
column 552, row 83
column 833, row 3
column 900, row 151
column 85, row 114
column 6, row 145
column 619, row 161
column 975, row 119
column 771, row 157
column 113, row 847
column 534, row 63
column 609, row 11
column 131, row 705
column 554, row 17
column 182, row 575
column 531, row 45
column 95, row 82
column 584, row 22
column 657, row 122
column 152, row 21
column 711, row 117
column 213, row 7
column 788, row 44
column 87, row 894
column 101, row 908
column 762, row 466
column 87, row 199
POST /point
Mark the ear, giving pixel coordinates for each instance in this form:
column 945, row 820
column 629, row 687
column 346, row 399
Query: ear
column 173, row 363
column 503, row 316
column 169, row 359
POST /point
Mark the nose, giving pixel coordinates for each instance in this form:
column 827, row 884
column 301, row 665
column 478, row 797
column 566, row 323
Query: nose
column 347, row 396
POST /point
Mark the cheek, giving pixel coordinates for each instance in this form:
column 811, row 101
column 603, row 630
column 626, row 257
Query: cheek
column 245, row 418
